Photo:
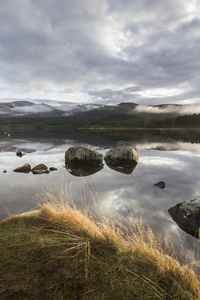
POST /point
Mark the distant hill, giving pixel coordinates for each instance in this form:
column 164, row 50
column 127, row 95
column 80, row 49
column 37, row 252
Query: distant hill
column 27, row 108
column 96, row 111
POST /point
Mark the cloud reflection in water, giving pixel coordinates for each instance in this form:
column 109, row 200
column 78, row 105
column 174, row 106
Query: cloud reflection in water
column 117, row 193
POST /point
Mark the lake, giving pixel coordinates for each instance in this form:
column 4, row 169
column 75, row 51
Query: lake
column 174, row 161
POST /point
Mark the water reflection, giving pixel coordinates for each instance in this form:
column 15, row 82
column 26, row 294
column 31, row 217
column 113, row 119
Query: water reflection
column 83, row 170
column 114, row 192
column 124, row 169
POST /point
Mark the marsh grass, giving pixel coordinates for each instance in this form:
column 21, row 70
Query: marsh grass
column 60, row 251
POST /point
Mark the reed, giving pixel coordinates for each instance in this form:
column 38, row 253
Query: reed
column 60, row 251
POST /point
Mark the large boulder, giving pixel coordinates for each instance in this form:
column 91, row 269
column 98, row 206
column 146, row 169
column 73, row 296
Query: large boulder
column 40, row 169
column 80, row 155
column 26, row 168
column 187, row 216
column 125, row 156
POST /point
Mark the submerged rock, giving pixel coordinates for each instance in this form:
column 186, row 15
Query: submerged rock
column 122, row 169
column 83, row 155
column 83, row 170
column 187, row 216
column 20, row 153
column 53, row 169
column 40, row 169
column 26, row 168
column 160, row 184
column 125, row 156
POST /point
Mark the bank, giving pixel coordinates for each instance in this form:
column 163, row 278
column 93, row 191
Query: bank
column 59, row 252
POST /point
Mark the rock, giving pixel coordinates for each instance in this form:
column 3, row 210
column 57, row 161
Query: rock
column 125, row 156
column 4, row 171
column 20, row 153
column 122, row 169
column 160, row 184
column 80, row 155
column 187, row 216
column 53, row 169
column 40, row 169
column 84, row 170
column 26, row 168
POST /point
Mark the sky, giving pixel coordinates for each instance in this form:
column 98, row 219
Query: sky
column 100, row 51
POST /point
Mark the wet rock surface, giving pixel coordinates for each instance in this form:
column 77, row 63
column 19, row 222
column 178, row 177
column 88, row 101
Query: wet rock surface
column 40, row 169
column 187, row 216
column 26, row 168
column 20, row 153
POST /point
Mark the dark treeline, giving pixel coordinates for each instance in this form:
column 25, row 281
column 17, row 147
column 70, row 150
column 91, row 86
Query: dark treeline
column 71, row 123
column 187, row 121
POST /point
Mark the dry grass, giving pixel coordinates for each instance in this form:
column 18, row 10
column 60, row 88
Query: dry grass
column 60, row 252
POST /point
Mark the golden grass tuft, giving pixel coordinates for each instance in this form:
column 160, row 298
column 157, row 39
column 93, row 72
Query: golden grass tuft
column 61, row 252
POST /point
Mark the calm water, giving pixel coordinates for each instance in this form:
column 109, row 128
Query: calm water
column 175, row 163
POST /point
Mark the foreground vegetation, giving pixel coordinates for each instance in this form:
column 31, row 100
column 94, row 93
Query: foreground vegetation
column 59, row 252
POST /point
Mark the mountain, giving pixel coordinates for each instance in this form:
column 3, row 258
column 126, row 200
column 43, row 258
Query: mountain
column 97, row 111
column 24, row 108
column 71, row 110
column 127, row 105
column 21, row 108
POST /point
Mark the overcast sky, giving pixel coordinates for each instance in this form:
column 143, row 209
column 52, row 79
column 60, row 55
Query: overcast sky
column 102, row 51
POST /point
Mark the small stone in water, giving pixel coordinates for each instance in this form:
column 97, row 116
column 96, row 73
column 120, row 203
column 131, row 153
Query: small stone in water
column 160, row 184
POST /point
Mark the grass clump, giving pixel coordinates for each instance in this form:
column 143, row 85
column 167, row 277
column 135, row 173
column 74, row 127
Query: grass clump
column 57, row 252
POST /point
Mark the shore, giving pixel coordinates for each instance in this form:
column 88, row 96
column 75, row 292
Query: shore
column 139, row 128
column 57, row 252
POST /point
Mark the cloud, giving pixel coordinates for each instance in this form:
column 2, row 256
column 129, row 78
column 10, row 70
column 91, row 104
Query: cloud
column 76, row 51
column 179, row 110
column 34, row 109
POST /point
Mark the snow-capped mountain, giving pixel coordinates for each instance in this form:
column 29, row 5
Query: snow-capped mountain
column 27, row 108
column 21, row 108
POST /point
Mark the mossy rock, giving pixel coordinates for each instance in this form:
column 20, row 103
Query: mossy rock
column 79, row 155
column 122, row 156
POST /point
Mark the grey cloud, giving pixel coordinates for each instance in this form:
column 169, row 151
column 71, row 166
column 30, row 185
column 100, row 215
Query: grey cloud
column 185, row 110
column 127, row 94
column 145, row 10
column 93, row 46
